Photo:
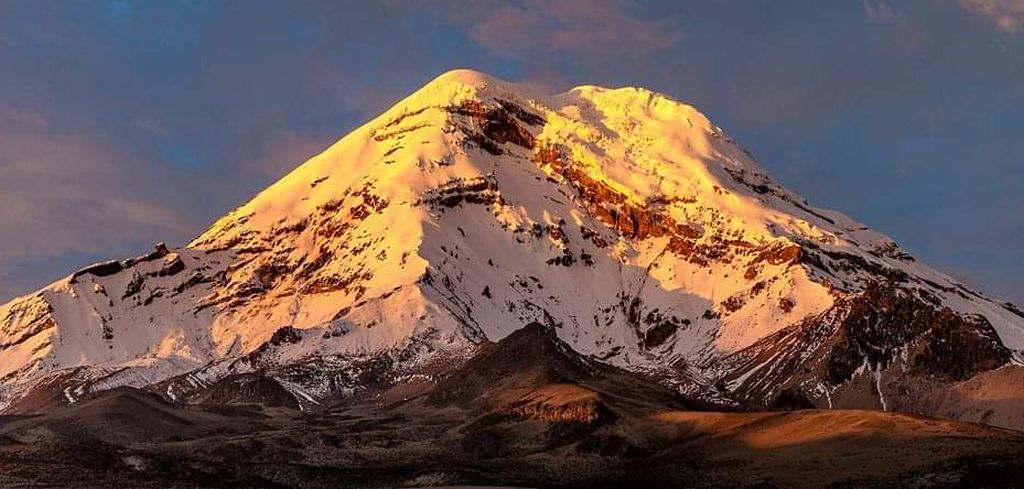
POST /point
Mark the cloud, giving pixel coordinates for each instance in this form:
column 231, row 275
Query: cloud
column 1007, row 15
column 596, row 29
column 878, row 12
column 65, row 194
column 74, row 193
column 28, row 117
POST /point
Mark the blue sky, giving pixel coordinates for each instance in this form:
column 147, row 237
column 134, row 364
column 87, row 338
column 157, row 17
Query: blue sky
column 123, row 123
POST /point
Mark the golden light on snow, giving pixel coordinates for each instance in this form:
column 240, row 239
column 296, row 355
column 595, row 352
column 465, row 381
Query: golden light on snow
column 355, row 251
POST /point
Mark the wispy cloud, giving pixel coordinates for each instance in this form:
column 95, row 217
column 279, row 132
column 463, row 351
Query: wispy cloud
column 1007, row 15
column 29, row 118
column 65, row 194
column 878, row 12
column 593, row 28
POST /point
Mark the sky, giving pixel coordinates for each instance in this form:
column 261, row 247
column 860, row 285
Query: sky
column 124, row 123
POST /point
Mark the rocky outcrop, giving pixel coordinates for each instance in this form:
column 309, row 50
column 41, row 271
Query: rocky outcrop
column 494, row 125
column 885, row 328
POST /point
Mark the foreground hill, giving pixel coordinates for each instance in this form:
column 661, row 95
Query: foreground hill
column 553, row 419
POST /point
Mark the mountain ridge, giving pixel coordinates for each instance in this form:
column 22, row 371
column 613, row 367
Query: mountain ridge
column 621, row 219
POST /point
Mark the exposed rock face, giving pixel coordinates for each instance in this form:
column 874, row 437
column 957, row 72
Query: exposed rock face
column 497, row 124
column 883, row 329
column 622, row 221
column 883, row 320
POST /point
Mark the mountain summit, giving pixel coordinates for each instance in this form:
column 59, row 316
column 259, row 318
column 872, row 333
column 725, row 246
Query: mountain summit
column 621, row 220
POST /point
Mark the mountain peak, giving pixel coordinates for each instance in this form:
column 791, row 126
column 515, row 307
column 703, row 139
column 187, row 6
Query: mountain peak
column 447, row 87
column 463, row 76
column 452, row 87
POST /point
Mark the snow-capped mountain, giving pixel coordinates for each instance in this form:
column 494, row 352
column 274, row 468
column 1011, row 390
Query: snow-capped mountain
column 622, row 219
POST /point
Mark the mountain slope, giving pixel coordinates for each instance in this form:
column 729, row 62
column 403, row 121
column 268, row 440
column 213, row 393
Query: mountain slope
column 623, row 220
